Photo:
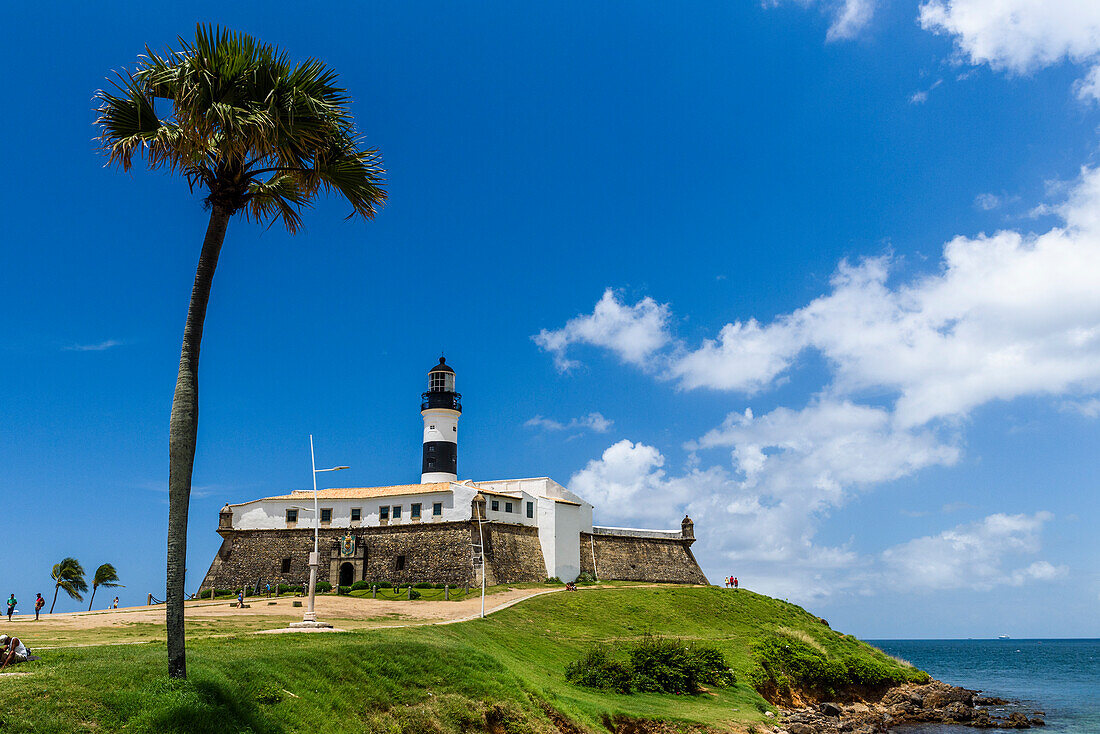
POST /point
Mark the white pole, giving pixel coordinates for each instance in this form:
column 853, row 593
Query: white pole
column 481, row 537
column 314, row 558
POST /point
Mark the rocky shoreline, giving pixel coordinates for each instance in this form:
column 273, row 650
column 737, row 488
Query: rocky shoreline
column 934, row 702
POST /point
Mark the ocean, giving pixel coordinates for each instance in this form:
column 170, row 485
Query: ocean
column 1060, row 677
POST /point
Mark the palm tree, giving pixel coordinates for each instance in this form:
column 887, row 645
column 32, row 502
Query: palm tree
column 105, row 576
column 259, row 135
column 68, row 575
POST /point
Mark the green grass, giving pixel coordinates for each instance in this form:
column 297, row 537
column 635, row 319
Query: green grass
column 507, row 669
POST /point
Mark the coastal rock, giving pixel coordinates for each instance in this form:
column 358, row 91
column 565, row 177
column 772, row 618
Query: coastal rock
column 828, row 709
column 958, row 711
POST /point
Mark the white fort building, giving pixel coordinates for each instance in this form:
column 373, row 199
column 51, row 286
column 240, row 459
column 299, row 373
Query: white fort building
column 531, row 529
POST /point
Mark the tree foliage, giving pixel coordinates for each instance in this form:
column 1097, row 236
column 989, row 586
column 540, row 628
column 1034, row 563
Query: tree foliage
column 69, row 577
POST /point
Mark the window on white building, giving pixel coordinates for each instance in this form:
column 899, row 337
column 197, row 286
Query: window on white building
column 414, row 511
column 496, row 505
column 356, row 514
column 397, row 512
column 326, row 514
column 507, row 506
column 530, row 509
column 384, row 513
column 292, row 516
column 437, row 509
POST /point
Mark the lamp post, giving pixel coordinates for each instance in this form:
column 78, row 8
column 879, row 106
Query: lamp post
column 309, row 619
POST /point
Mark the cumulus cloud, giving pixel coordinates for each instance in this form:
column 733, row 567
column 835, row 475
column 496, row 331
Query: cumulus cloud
column 1005, row 315
column 594, row 422
column 977, row 556
column 631, row 332
column 1020, row 36
column 763, row 520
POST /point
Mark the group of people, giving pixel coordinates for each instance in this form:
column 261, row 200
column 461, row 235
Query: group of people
column 731, row 582
column 39, row 602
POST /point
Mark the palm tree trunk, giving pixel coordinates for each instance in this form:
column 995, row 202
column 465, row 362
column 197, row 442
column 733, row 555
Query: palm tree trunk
column 182, row 435
column 94, row 587
column 55, row 588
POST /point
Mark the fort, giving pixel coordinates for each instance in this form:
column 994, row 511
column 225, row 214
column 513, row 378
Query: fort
column 441, row 530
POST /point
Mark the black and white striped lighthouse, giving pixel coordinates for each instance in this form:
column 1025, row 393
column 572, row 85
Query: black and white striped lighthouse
column 441, row 407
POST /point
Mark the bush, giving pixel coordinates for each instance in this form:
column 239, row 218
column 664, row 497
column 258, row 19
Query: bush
column 585, row 578
column 554, row 580
column 324, row 587
column 423, row 585
column 655, row 665
column 343, row 590
column 783, row 663
column 288, row 589
column 414, row 594
column 360, row 585
column 598, row 669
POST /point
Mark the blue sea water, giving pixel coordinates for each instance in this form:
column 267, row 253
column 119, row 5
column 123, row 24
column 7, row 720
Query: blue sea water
column 1059, row 677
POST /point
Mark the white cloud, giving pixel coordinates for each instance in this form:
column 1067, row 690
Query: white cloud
column 987, row 202
column 1020, row 36
column 594, row 422
column 1017, row 35
column 97, row 347
column 921, row 96
column 972, row 556
column 1005, row 315
column 631, row 332
column 850, row 18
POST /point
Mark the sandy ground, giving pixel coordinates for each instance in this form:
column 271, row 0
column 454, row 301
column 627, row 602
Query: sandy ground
column 346, row 612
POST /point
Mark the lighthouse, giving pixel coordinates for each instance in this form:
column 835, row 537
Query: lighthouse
column 441, row 407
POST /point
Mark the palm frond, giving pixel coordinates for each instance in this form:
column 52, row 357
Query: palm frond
column 241, row 111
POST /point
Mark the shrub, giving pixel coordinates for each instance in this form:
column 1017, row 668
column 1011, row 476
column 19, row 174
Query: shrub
column 414, row 594
column 288, row 589
column 324, row 587
column 598, row 669
column 343, row 590
column 360, row 585
column 585, row 578
column 784, row 662
column 655, row 665
column 554, row 580
column 423, row 585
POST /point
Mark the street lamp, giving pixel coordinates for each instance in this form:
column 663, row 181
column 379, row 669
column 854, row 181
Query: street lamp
column 309, row 619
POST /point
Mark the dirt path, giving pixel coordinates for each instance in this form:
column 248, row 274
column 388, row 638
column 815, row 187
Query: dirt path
column 208, row 618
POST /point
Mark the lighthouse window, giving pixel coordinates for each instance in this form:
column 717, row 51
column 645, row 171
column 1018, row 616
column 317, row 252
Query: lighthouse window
column 530, row 509
column 437, row 509
column 397, row 512
column 292, row 516
column 414, row 511
column 496, row 505
column 507, row 506
column 431, row 428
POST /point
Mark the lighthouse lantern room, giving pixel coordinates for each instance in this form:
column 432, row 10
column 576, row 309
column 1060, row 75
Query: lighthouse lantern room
column 441, row 407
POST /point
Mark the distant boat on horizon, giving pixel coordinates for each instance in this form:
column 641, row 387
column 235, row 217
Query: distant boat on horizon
column 1003, row 637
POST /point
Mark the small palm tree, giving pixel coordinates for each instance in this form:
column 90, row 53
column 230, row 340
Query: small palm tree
column 260, row 136
column 105, row 576
column 68, row 575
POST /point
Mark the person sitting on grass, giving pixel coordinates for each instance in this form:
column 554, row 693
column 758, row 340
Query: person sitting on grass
column 12, row 650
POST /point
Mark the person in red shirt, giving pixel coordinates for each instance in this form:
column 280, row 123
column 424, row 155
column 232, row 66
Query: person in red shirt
column 735, row 583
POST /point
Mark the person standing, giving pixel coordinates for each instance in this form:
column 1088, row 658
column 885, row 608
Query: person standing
column 735, row 583
column 114, row 604
column 11, row 606
column 39, row 602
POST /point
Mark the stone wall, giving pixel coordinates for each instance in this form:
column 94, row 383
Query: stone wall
column 436, row 552
column 627, row 558
column 514, row 554
column 439, row 553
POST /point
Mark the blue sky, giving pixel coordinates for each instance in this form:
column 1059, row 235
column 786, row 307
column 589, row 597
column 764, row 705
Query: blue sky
column 627, row 225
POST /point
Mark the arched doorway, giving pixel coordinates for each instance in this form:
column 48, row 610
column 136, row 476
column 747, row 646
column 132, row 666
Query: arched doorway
column 347, row 574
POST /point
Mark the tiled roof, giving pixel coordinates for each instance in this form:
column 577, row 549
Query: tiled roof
column 366, row 492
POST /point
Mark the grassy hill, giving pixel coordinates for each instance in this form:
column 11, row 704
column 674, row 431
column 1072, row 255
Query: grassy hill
column 503, row 674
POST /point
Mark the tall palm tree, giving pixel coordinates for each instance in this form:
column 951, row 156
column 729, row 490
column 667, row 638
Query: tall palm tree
column 260, row 136
column 68, row 575
column 105, row 576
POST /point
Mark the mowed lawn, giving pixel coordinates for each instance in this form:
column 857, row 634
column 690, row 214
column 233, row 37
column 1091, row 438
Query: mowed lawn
column 504, row 673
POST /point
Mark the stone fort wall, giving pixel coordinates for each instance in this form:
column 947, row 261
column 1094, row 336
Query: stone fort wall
column 636, row 558
column 437, row 553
